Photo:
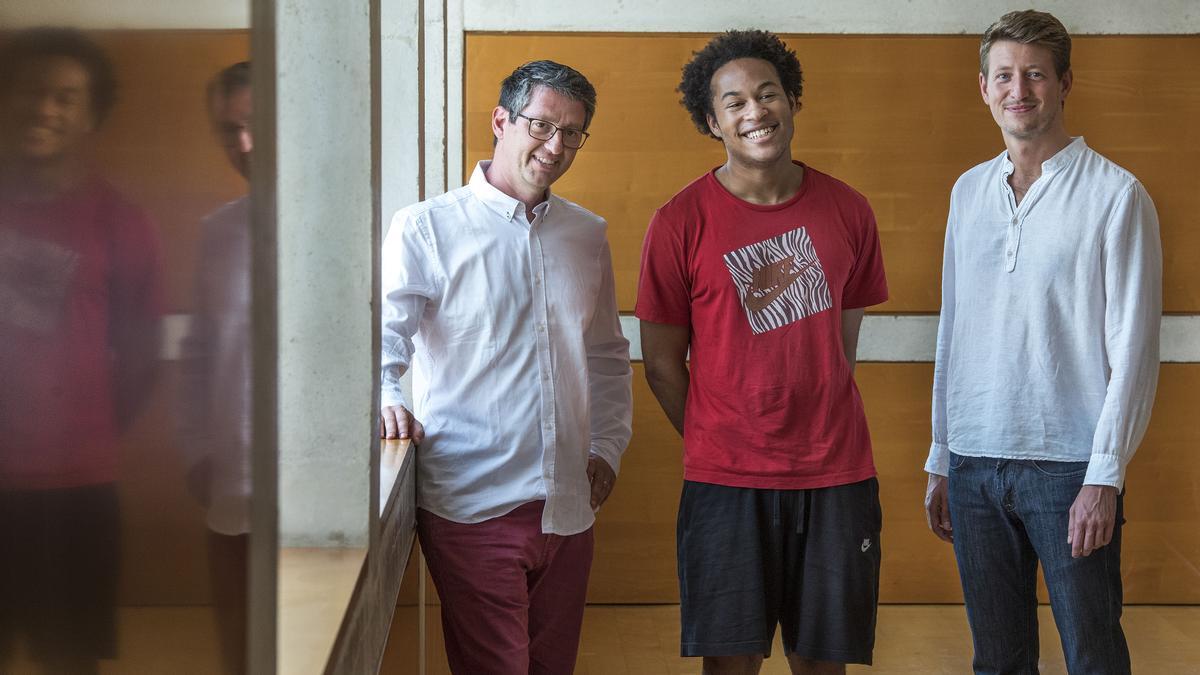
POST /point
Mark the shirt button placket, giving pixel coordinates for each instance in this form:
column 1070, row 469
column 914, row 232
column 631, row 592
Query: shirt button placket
column 1012, row 243
column 542, row 338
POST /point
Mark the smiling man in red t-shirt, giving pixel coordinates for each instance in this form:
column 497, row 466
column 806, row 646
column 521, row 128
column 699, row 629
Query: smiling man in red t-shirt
column 762, row 268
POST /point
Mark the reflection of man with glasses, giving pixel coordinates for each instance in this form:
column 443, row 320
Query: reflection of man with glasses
column 500, row 296
column 214, row 414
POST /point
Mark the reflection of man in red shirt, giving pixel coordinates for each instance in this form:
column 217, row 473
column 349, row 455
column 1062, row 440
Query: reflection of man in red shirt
column 80, row 303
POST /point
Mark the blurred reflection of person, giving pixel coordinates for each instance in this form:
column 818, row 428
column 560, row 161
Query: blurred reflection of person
column 80, row 303
column 214, row 411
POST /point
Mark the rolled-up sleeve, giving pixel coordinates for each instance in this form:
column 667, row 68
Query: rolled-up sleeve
column 409, row 285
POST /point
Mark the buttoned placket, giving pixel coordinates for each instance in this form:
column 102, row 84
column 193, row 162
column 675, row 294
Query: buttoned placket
column 537, row 274
column 1017, row 213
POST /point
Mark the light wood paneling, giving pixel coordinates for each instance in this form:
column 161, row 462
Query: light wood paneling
column 164, row 549
column 1161, row 551
column 635, row 530
column 158, row 147
column 917, row 567
column 898, row 118
column 635, row 533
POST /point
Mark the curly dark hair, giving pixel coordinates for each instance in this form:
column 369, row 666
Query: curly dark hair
column 25, row 47
column 696, row 85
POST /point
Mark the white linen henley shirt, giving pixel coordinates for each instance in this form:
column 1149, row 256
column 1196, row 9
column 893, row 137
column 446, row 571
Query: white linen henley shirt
column 520, row 370
column 213, row 419
column 1048, row 339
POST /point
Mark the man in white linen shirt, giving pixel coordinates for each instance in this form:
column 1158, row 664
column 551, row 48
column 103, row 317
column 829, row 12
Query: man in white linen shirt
column 1046, row 366
column 214, row 393
column 500, row 297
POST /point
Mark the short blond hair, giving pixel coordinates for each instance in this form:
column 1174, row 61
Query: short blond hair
column 1025, row 27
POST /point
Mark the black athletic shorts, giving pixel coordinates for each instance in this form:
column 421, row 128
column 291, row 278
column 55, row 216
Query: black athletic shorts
column 807, row 560
column 59, row 572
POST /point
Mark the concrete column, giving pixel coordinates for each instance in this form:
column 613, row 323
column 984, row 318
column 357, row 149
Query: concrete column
column 327, row 238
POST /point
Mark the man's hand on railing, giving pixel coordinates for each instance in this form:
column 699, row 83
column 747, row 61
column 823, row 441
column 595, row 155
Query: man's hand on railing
column 395, row 421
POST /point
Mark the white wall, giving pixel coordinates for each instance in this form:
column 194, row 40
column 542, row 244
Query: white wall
column 823, row 16
column 785, row 16
column 126, row 13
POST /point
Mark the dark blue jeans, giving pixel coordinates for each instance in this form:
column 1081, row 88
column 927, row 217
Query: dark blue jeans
column 1008, row 515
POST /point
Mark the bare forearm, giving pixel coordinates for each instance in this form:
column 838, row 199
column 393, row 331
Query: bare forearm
column 670, row 386
column 851, row 323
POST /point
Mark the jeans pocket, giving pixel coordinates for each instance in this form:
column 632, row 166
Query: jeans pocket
column 1060, row 469
column 876, row 505
column 956, row 461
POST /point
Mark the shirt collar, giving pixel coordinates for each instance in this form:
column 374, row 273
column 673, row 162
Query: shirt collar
column 1060, row 160
column 505, row 206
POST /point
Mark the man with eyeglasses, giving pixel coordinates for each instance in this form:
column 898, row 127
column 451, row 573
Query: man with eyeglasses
column 499, row 295
column 213, row 414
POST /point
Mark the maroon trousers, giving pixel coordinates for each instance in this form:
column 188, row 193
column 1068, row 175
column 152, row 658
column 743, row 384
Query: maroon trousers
column 512, row 597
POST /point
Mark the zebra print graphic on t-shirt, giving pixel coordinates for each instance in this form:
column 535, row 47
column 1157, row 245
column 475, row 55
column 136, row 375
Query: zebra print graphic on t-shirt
column 779, row 280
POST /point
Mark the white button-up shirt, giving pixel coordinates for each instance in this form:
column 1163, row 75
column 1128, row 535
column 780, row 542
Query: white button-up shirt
column 214, row 410
column 1048, row 339
column 519, row 366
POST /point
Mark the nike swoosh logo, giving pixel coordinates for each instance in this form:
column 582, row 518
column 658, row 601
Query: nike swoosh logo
column 756, row 303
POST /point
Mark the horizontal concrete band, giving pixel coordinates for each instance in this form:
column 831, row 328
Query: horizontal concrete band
column 914, row 17
column 127, row 14
column 893, row 338
column 918, row 17
column 885, row 338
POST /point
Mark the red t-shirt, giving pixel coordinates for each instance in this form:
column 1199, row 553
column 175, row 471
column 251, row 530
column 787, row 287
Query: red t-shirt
column 772, row 402
column 73, row 272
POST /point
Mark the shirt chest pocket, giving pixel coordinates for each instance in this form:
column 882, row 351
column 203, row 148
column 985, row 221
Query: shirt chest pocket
column 571, row 285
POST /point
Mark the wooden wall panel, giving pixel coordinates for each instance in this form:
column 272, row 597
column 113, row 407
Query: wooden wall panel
column 635, row 530
column 899, row 118
column 164, row 548
column 158, row 147
column 1161, row 553
column 635, row 533
column 917, row 566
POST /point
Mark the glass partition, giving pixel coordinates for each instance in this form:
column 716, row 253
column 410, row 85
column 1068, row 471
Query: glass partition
column 125, row 483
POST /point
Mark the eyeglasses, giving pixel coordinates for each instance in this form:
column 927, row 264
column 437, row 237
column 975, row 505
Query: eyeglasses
column 544, row 131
